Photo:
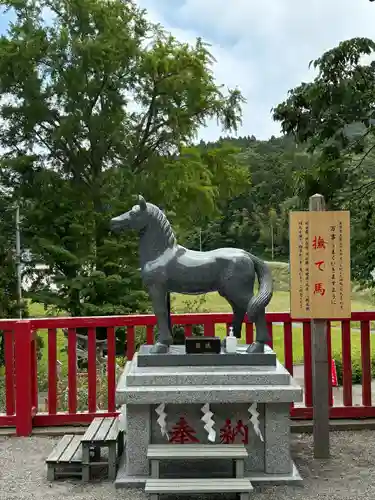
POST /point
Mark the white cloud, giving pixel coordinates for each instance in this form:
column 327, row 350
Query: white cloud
column 264, row 46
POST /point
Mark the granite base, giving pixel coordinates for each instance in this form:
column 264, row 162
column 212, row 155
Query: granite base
column 177, row 357
column 229, row 391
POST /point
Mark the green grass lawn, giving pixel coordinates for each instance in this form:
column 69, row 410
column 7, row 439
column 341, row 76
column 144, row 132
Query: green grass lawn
column 278, row 342
column 212, row 302
column 280, row 303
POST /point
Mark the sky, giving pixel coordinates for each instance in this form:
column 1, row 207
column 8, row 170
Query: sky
column 263, row 47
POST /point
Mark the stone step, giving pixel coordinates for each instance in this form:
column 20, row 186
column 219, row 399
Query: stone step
column 223, row 485
column 191, row 451
column 192, row 375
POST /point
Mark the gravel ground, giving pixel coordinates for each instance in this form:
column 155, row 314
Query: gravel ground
column 349, row 474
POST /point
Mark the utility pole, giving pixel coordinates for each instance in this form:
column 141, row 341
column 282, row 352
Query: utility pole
column 200, row 239
column 18, row 260
column 272, row 242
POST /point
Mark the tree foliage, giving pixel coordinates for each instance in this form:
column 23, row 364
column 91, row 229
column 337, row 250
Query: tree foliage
column 98, row 104
column 245, row 219
column 10, row 306
column 9, row 303
column 334, row 117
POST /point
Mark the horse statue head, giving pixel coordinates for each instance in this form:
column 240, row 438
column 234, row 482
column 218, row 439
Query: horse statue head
column 136, row 218
column 150, row 221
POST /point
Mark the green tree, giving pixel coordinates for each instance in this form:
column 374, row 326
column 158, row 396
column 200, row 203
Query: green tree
column 101, row 104
column 273, row 169
column 334, row 116
column 10, row 306
column 9, row 303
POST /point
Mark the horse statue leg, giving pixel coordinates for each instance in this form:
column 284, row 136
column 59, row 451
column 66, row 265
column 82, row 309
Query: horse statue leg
column 161, row 306
column 262, row 336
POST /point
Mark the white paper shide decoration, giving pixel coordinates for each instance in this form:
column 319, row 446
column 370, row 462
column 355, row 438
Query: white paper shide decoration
column 209, row 423
column 162, row 420
column 255, row 420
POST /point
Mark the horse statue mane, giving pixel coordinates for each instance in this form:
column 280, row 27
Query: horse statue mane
column 168, row 267
column 162, row 222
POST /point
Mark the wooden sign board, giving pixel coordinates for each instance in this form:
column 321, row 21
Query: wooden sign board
column 320, row 282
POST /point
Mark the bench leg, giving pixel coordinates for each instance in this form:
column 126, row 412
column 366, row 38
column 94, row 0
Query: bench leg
column 155, row 469
column 112, row 462
column 240, row 468
column 51, row 472
column 85, row 463
column 85, row 473
column 154, row 496
column 244, row 496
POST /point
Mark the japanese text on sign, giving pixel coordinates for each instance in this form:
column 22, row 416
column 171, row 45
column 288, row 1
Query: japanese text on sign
column 320, row 264
column 230, row 433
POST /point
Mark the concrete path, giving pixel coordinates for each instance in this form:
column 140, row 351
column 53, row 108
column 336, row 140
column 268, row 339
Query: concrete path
column 348, row 475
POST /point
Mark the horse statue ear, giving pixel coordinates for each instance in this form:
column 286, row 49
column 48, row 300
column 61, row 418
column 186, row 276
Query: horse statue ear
column 142, row 202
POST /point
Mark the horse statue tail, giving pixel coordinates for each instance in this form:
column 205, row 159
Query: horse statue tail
column 260, row 301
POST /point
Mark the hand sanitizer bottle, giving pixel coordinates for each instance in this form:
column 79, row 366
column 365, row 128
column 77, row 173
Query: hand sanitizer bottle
column 231, row 342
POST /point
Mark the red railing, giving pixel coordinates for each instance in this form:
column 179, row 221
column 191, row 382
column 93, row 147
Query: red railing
column 22, row 368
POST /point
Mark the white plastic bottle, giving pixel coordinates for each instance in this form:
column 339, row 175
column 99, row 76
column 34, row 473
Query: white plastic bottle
column 231, row 342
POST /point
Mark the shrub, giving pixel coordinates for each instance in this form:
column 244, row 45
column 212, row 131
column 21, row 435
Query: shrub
column 356, row 369
column 82, row 390
column 178, row 332
column 2, row 394
column 101, row 335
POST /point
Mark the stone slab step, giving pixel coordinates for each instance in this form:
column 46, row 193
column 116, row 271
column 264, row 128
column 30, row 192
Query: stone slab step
column 177, row 357
column 203, row 393
column 190, row 451
column 222, row 485
column 192, row 375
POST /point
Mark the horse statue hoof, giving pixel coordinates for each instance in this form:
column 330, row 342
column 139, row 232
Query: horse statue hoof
column 256, row 347
column 159, row 348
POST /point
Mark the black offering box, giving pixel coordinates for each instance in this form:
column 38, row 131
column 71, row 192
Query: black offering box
column 203, row 345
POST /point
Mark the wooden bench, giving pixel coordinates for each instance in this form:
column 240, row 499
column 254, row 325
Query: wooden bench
column 155, row 487
column 66, row 458
column 103, row 432
column 236, row 452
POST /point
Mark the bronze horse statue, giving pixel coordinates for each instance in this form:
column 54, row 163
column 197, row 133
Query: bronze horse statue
column 168, row 267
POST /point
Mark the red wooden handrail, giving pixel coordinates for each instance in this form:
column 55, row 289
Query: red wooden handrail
column 21, row 368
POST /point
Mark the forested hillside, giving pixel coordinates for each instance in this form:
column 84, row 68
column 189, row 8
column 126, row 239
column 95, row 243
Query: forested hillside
column 257, row 218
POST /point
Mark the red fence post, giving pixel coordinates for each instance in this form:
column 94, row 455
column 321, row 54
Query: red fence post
column 9, row 372
column 111, row 368
column 366, row 363
column 52, row 371
column 329, row 354
column 307, row 362
column 23, row 337
column 72, row 370
column 130, row 342
column 34, row 373
column 347, row 363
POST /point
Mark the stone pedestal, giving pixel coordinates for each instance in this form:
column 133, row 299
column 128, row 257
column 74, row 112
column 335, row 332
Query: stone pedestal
column 230, row 391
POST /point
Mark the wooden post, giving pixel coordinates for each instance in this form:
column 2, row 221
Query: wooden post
column 320, row 369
